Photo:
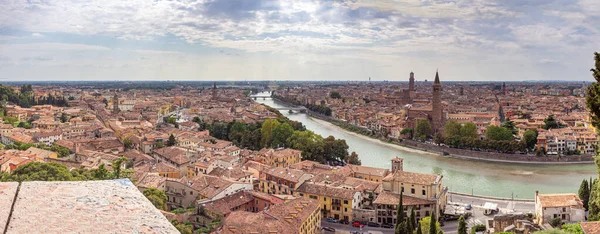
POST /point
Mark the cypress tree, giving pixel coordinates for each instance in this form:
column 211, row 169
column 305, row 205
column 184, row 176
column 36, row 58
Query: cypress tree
column 399, row 212
column 419, row 231
column 584, row 193
column 593, row 208
column 462, row 225
column 432, row 226
column 411, row 221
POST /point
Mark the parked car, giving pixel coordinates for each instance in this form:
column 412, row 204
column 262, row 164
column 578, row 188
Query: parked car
column 330, row 229
column 332, row 220
column 344, row 222
column 468, row 207
column 357, row 224
column 373, row 224
column 387, row 225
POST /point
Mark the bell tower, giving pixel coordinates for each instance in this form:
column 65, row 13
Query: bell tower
column 436, row 106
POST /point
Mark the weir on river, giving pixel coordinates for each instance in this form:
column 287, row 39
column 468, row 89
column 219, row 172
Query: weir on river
column 460, row 175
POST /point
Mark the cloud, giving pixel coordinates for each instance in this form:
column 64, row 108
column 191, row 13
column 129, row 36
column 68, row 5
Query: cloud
column 386, row 33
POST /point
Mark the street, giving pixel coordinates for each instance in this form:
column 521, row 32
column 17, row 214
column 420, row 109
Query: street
column 450, row 227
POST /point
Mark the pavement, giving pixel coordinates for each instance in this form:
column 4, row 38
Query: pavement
column 504, row 206
column 346, row 228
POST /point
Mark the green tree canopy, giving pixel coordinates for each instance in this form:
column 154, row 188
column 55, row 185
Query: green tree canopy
column 335, row 95
column 462, row 225
column 157, row 197
column 469, row 130
column 423, row 129
column 510, row 125
column 593, row 93
column 172, row 141
column 584, row 193
column 530, row 138
column 425, row 224
column 496, row 133
column 353, row 159
column 280, row 135
column 267, row 131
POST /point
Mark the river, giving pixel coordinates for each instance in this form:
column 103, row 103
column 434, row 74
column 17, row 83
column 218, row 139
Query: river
column 460, row 175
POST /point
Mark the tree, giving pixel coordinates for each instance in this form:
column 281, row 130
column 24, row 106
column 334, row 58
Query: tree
column 411, row 220
column 335, row 95
column 419, row 231
column 572, row 228
column 172, row 141
column 550, row 123
column 510, row 125
column 452, row 130
column 280, row 135
column 423, row 129
column 432, row 224
column 157, row 197
column 593, row 203
column 335, row 149
column 116, row 166
column 353, row 159
column 101, row 173
column 530, row 138
column 408, row 131
column 496, row 133
column 556, row 222
column 425, row 224
column 584, row 193
column 399, row 213
column 267, row 131
column 24, row 125
column 309, row 143
column 462, row 225
column 469, row 130
column 38, row 171
column 64, row 117
column 127, row 143
column 593, row 93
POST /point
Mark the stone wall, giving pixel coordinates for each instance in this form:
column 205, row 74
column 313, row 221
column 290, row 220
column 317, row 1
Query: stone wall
column 363, row 215
column 495, row 156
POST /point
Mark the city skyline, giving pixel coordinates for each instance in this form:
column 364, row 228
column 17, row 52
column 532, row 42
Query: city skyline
column 297, row 40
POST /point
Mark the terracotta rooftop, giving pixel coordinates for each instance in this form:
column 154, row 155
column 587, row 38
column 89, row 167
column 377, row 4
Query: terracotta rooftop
column 370, row 170
column 174, row 154
column 413, row 177
column 99, row 207
column 279, row 219
column 560, row 200
column 388, row 198
column 590, row 227
column 324, row 190
column 286, row 174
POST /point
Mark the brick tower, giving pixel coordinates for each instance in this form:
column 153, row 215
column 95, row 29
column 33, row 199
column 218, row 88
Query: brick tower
column 436, row 106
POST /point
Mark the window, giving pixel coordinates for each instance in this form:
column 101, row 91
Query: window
column 345, row 202
column 424, row 193
column 324, row 199
column 345, row 209
column 412, row 191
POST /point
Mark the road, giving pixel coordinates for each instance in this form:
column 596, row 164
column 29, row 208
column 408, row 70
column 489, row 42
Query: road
column 450, row 227
column 504, row 205
column 346, row 228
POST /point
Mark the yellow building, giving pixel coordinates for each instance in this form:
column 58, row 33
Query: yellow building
column 283, row 157
column 369, row 173
column 418, row 185
column 335, row 202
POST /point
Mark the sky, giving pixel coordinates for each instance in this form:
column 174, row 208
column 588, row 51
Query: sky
column 495, row 40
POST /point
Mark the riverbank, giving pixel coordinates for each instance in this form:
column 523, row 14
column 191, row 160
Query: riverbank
column 454, row 152
column 421, row 147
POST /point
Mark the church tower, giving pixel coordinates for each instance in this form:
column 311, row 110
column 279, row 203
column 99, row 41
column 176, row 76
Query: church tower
column 214, row 91
column 115, row 104
column 436, row 106
column 503, row 88
column 411, row 82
